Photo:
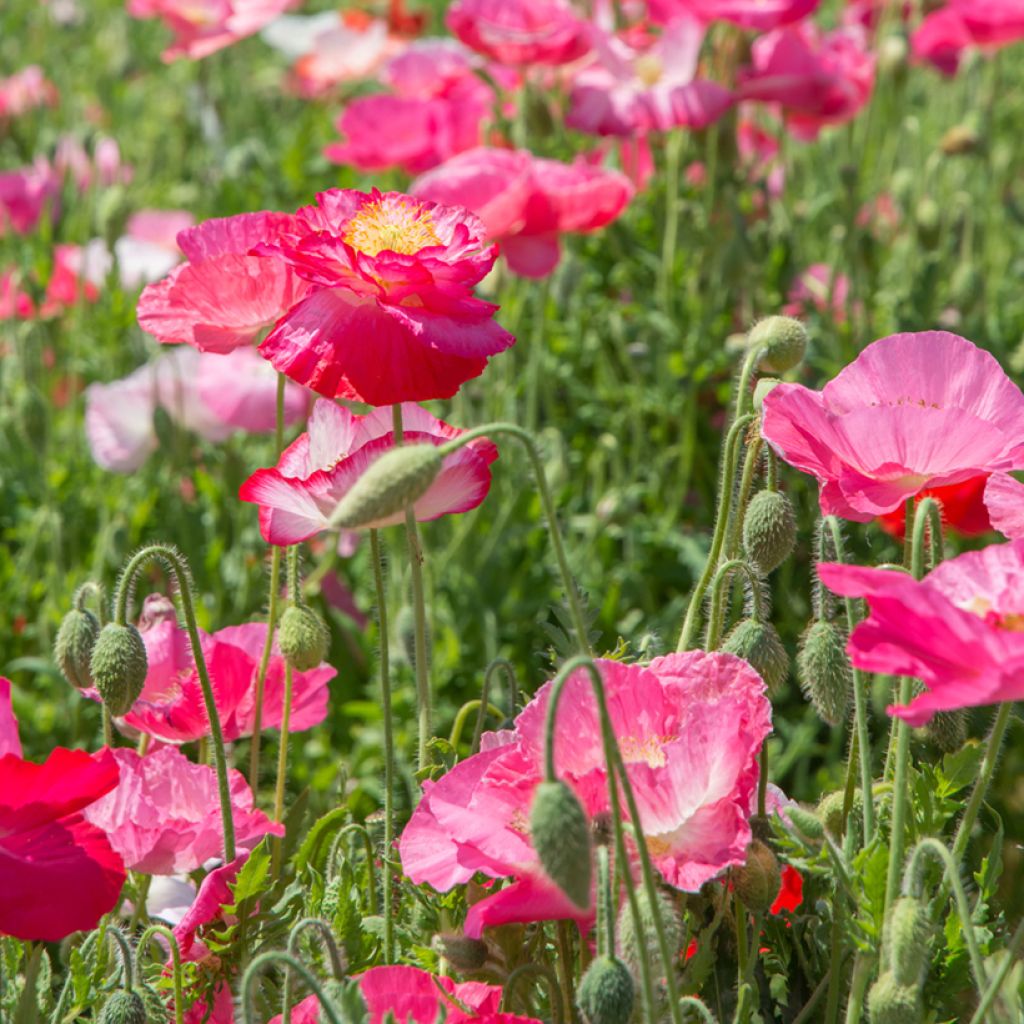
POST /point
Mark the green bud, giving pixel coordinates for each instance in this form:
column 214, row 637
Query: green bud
column 390, row 485
column 758, row 882
column 908, row 933
column 764, row 387
column 948, row 730
column 119, row 667
column 628, row 942
column 783, row 340
column 806, row 821
column 830, row 811
column 561, row 837
column 73, row 647
column 302, row 637
column 928, row 220
column 823, row 669
column 892, row 56
column 462, row 952
column 606, row 993
column 769, row 530
column 759, row 644
column 889, row 1002
column 124, row 1008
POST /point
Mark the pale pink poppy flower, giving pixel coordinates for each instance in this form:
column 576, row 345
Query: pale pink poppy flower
column 9, row 741
column 519, row 32
column 631, row 91
column 103, row 168
column 941, row 39
column 761, row 15
column 525, row 202
column 25, row 194
column 14, row 302
column 818, row 78
column 225, row 295
column 960, row 630
column 1004, row 499
column 911, row 412
column 297, row 497
column 822, row 288
column 689, row 726
column 991, row 23
column 25, row 90
column 148, row 249
column 77, row 274
column 164, row 817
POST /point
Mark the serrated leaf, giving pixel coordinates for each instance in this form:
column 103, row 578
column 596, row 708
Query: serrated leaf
column 988, row 876
column 316, row 845
column 251, row 880
column 960, row 768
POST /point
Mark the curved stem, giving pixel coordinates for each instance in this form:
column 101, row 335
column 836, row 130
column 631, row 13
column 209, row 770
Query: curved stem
column 723, row 575
column 482, row 709
column 126, row 954
column 694, row 1003
column 363, row 833
column 327, row 938
column 554, row 993
column 750, row 464
column 513, row 696
column 927, row 516
column 286, row 714
column 172, row 942
column 988, row 997
column 253, row 971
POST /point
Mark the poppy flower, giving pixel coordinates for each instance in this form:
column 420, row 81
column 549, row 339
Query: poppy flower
column 1004, row 502
column 58, row 873
column 991, row 23
column 962, row 507
column 761, row 15
column 911, row 412
column 25, row 90
column 392, row 317
column 941, row 39
column 519, row 32
column 9, row 740
column 25, row 194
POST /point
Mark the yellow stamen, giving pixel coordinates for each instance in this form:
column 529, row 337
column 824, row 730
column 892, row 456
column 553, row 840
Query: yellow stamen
column 393, row 223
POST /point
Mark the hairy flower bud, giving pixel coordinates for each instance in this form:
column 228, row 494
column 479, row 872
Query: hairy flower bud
column 759, row 644
column 769, row 530
column 391, row 484
column 806, row 821
column 762, row 389
column 947, row 730
column 830, row 811
column 606, row 993
column 758, row 882
column 302, row 637
column 124, row 1008
column 889, row 1002
column 823, row 670
column 561, row 837
column 462, row 952
column 119, row 666
column 783, row 341
column 72, row 649
column 628, row 942
column 908, row 933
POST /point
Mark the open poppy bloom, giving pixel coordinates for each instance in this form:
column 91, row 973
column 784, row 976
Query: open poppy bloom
column 296, row 497
column 1004, row 502
column 960, row 630
column 761, row 15
column 10, row 743
column 689, row 727
column 391, row 317
column 520, row 31
column 911, row 412
column 962, row 507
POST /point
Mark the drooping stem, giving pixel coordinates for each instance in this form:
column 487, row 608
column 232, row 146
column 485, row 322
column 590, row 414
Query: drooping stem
column 751, row 462
column 323, row 930
column 720, row 587
column 481, row 709
column 360, row 830
column 988, row 997
column 543, row 971
column 172, row 942
column 264, row 960
column 513, row 696
column 128, row 973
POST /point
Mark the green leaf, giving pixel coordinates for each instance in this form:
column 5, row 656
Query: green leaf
column 252, row 879
column 316, row 845
column 961, row 768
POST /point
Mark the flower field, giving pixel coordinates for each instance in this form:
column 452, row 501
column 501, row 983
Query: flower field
column 509, row 511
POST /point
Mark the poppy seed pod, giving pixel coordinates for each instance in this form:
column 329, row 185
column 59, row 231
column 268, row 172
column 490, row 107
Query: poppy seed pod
column 462, row 952
column 390, row 485
column 561, row 837
column 630, row 948
column 606, row 993
column 823, row 670
column 72, row 649
column 302, row 637
column 119, row 666
column 124, row 1007
column 758, row 882
column 947, row 730
column 769, row 530
column 782, row 341
column 908, row 934
column 759, row 645
column 889, row 1002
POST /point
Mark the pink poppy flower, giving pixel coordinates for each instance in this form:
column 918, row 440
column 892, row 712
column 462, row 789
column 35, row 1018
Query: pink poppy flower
column 399, row 271
column 520, row 31
column 631, row 91
column 225, row 295
column 912, row 411
column 103, row 168
column 9, row 741
column 689, row 727
column 991, row 23
column 25, row 194
column 761, row 15
column 822, row 288
column 164, row 817
column 941, row 39
column 58, row 873
column 14, row 303
column 75, row 278
column 962, row 506
column 1004, row 500
column 818, row 79
column 297, row 496
column 25, row 90
column 525, row 202
column 960, row 630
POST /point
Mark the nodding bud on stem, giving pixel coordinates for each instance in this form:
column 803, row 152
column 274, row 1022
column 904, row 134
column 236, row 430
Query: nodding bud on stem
column 824, row 672
column 769, row 530
column 462, row 952
column 302, row 637
column 561, row 837
column 908, row 933
column 119, row 666
column 889, row 1002
column 782, row 341
column 830, row 812
column 606, row 993
column 124, row 1007
column 758, row 644
column 806, row 822
column 390, row 485
column 631, row 947
column 948, row 730
column 758, row 882
column 73, row 646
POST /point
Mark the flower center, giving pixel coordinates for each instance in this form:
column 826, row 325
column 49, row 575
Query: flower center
column 648, row 749
column 393, row 223
column 648, row 69
column 1012, row 622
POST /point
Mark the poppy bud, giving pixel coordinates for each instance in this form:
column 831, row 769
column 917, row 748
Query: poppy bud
column 960, row 139
column 302, row 637
column 759, row 644
column 73, row 647
column 948, row 730
column 758, row 882
column 119, row 666
column 462, row 952
column 124, row 1008
column 892, row 56
column 928, row 219
column 830, row 811
column 628, row 942
column 762, row 388
column 769, row 530
column 908, row 935
column 806, row 821
column 889, row 1002
column 389, row 485
column 823, row 669
column 783, row 342
column 606, row 993
column 561, row 837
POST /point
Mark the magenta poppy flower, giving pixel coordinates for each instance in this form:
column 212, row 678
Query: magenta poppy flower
column 520, row 31
column 817, row 78
column 960, row 630
column 9, row 741
column 1004, row 499
column 941, row 39
column 296, row 497
column 14, row 302
column 912, row 411
column 991, row 23
column 225, row 295
column 761, row 15
column 822, row 288
column 526, row 202
column 25, row 90
column 392, row 317
column 25, row 194
column 689, row 726
column 58, row 873
column 164, row 817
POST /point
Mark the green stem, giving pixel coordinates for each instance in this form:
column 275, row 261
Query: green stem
column 858, row 986
column 694, row 1003
column 719, row 589
column 172, row 942
column 673, row 145
column 108, row 727
column 339, row 839
column 513, row 696
column 323, row 930
column 606, row 915
column 836, row 943
column 554, row 993
column 482, row 709
column 750, row 464
column 290, row 963
column 124, row 949
column 988, row 997
column 286, row 713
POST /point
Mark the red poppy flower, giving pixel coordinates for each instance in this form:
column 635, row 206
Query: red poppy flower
column 963, row 508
